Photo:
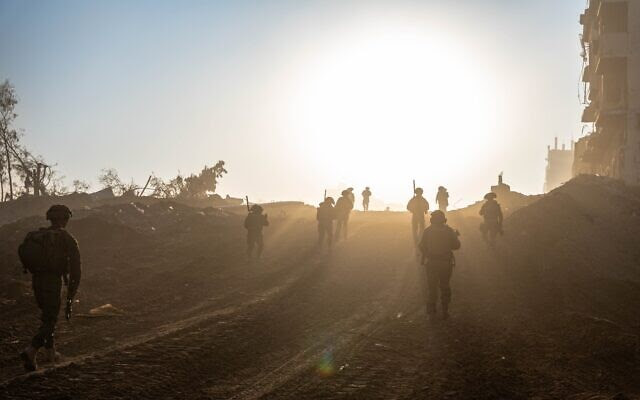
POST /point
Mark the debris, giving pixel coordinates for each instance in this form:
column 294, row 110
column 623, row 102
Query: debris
column 105, row 310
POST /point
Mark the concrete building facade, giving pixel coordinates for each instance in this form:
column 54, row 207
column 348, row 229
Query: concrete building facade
column 611, row 52
column 559, row 166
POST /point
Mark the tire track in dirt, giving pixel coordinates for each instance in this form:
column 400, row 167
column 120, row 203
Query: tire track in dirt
column 410, row 358
column 308, row 382
column 349, row 325
column 345, row 336
column 284, row 277
column 340, row 335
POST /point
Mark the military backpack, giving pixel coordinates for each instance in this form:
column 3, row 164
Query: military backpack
column 41, row 251
column 438, row 242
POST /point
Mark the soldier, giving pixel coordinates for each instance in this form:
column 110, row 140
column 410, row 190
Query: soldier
column 442, row 198
column 52, row 256
column 492, row 214
column 418, row 206
column 343, row 208
column 254, row 223
column 437, row 246
column 352, row 196
column 366, row 194
column 325, row 216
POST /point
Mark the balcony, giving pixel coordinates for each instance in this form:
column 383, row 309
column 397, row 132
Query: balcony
column 610, row 117
column 611, row 46
column 613, row 16
column 612, row 66
column 589, row 114
column 595, row 89
column 586, row 75
column 614, row 44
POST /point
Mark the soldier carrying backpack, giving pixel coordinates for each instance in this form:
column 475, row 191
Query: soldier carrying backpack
column 254, row 223
column 438, row 242
column 51, row 255
column 492, row 214
column 325, row 216
column 418, row 206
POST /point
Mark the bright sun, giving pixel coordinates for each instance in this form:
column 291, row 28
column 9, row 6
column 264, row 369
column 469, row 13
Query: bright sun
column 393, row 105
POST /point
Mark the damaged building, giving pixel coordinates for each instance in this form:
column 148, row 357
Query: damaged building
column 611, row 76
column 559, row 166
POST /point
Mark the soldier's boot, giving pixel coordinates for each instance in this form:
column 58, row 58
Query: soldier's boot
column 28, row 357
column 51, row 355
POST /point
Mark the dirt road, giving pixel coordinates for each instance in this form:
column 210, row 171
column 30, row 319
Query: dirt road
column 351, row 324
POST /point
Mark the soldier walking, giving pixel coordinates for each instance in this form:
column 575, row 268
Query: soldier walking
column 52, row 256
column 437, row 246
column 419, row 207
column 254, row 223
column 442, row 199
column 325, row 216
column 366, row 195
column 351, row 196
column 492, row 214
column 343, row 208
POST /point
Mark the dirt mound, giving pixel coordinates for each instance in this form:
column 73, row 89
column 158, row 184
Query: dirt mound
column 510, row 203
column 28, row 206
column 575, row 254
column 590, row 226
column 119, row 226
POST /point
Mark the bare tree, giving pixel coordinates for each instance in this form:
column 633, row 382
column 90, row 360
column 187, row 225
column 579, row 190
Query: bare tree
column 206, row 182
column 80, row 186
column 109, row 178
column 8, row 135
column 37, row 176
column 192, row 186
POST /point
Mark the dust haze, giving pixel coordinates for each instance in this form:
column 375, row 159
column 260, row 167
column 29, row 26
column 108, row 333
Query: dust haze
column 320, row 201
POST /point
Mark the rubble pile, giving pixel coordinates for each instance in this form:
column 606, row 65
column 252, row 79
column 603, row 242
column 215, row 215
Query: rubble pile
column 126, row 230
column 589, row 227
column 27, row 206
column 575, row 255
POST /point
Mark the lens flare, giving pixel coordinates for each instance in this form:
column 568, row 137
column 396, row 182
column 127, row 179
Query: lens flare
column 326, row 366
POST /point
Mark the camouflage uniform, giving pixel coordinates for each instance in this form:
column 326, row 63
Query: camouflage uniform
column 343, row 208
column 366, row 194
column 439, row 264
column 254, row 223
column 442, row 198
column 418, row 206
column 47, row 286
column 325, row 216
column 492, row 225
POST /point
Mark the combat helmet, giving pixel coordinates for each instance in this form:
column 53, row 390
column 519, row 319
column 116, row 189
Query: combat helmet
column 58, row 211
column 438, row 217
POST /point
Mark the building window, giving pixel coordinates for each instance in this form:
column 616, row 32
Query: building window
column 614, row 18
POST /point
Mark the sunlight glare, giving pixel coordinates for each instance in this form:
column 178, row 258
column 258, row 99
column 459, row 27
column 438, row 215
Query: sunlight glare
column 381, row 105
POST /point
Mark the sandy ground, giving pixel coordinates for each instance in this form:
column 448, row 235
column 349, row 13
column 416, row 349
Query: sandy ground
column 302, row 323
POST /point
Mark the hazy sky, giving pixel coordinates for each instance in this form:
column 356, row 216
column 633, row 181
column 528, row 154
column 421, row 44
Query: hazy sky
column 298, row 96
